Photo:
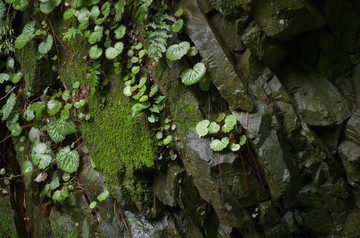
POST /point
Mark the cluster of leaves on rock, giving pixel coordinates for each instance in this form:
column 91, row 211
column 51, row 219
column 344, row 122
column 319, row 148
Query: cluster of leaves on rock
column 50, row 118
column 220, row 128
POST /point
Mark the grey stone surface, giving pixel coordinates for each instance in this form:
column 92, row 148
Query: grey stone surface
column 317, row 99
column 220, row 67
column 284, row 19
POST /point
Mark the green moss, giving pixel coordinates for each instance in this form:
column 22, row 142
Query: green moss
column 118, row 149
column 7, row 227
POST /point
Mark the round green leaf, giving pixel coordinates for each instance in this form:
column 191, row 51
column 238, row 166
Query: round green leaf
column 66, row 177
column 167, row 140
column 242, row 139
column 204, row 83
column 68, row 14
column 234, row 147
column 27, row 166
column 76, row 85
column 22, row 40
column 219, row 145
column 15, row 78
column 96, row 36
column 10, row 62
column 95, row 52
column 177, row 26
column 4, row 77
column 58, row 129
column 127, row 91
column 102, row 196
column 45, row 46
column 9, row 106
column 60, row 195
column 53, row 106
column 192, row 51
column 220, row 117
column 111, row 53
column 135, row 69
column 55, row 183
column 177, row 51
column 230, row 122
column 202, row 128
column 179, row 12
column 159, row 135
column 28, row 114
column 120, row 32
column 192, row 76
column 68, row 159
column 213, row 128
column 92, row 205
column 33, row 134
column 95, row 12
column 119, row 46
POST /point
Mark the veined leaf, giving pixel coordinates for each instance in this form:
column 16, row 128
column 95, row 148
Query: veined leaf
column 219, row 145
column 55, row 183
column 45, row 46
column 53, row 106
column 230, row 122
column 27, row 166
column 192, row 76
column 96, row 36
column 60, row 195
column 9, row 106
column 15, row 78
column 20, row 4
column 120, row 32
column 59, row 129
column 95, row 12
column 177, row 51
column 234, row 147
column 202, row 128
column 48, row 6
column 68, row 159
column 213, row 128
column 68, row 14
column 4, row 77
column 111, row 53
column 95, row 52
column 177, row 26
column 220, row 117
column 154, row 88
column 2, row 9
column 28, row 114
column 119, row 46
column 22, row 40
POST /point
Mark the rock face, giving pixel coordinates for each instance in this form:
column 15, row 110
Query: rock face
column 290, row 73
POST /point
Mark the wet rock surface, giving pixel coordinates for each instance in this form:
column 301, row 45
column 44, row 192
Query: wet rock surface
column 289, row 71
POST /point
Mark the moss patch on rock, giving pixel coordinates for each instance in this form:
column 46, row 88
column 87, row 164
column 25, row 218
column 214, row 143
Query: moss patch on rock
column 117, row 148
column 7, row 227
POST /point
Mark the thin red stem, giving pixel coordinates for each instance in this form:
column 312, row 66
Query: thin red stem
column 123, row 218
column 221, row 184
column 244, row 172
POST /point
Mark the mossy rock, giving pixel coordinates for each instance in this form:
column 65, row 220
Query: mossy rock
column 7, row 227
column 118, row 149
